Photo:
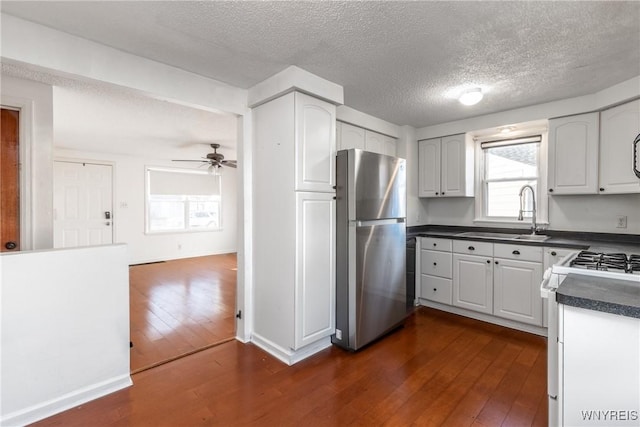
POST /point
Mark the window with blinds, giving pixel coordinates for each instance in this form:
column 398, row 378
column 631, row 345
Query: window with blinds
column 507, row 166
column 182, row 200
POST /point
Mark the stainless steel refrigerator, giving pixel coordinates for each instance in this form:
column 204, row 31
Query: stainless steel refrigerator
column 371, row 296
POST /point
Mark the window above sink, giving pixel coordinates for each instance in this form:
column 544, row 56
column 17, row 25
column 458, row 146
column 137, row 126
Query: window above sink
column 507, row 158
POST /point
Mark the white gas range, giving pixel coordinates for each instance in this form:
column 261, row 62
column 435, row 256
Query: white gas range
column 616, row 266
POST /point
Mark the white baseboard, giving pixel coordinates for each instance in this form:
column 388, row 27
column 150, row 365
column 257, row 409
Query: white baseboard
column 289, row 356
column 67, row 401
column 538, row 330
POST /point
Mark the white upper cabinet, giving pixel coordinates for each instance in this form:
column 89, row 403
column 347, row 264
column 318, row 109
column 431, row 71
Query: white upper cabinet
column 390, row 146
column 315, row 144
column 373, row 142
column 619, row 127
column 429, row 167
column 350, row 136
column 445, row 167
column 454, row 162
column 573, row 154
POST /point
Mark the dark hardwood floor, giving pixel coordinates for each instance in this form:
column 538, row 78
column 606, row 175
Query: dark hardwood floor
column 181, row 306
column 439, row 370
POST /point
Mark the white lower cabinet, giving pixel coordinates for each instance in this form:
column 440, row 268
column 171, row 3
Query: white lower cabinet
column 553, row 256
column 516, row 288
column 436, row 289
column 501, row 280
column 473, row 282
column 435, row 270
column 315, row 267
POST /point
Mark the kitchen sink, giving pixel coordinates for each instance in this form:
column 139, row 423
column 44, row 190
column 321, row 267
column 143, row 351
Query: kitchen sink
column 532, row 237
column 503, row 236
column 488, row 235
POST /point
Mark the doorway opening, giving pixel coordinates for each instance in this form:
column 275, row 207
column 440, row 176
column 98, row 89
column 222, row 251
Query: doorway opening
column 10, row 176
column 180, row 307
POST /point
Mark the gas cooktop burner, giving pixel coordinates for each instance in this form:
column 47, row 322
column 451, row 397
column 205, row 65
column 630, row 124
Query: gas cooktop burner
column 618, row 262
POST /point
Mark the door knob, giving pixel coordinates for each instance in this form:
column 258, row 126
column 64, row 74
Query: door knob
column 10, row 245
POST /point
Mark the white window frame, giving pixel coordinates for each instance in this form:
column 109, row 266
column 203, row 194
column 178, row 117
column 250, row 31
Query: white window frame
column 542, row 199
column 186, row 229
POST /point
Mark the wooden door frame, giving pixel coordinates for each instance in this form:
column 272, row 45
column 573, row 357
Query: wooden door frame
column 114, row 222
column 25, row 133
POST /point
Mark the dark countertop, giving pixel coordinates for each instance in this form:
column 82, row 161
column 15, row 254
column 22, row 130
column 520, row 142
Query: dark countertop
column 597, row 242
column 613, row 296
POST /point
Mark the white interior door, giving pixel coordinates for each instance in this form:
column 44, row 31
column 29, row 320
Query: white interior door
column 82, row 204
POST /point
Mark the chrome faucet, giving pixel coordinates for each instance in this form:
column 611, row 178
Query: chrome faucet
column 533, row 207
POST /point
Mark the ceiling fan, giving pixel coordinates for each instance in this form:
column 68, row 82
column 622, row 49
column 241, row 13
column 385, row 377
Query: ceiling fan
column 216, row 161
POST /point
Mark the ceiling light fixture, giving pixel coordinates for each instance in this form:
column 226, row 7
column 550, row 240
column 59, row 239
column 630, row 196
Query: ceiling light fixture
column 471, row 96
column 214, row 170
column 507, row 129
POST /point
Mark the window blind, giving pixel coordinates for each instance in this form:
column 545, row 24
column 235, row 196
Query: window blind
column 507, row 142
column 178, row 183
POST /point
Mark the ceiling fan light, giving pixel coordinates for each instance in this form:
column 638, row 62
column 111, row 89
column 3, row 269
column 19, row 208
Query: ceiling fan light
column 215, row 170
column 471, row 97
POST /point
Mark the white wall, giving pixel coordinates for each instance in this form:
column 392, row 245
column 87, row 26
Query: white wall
column 65, row 329
column 595, row 213
column 129, row 223
column 36, row 102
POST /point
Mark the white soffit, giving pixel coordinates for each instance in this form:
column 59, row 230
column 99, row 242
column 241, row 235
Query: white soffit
column 397, row 61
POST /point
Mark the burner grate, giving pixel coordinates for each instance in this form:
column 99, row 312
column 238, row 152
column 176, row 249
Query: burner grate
column 617, row 262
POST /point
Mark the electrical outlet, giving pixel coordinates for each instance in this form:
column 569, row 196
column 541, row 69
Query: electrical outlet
column 621, row 222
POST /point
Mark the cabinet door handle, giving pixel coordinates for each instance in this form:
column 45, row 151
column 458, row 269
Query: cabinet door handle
column 435, row 244
column 516, row 252
column 437, row 193
column 471, row 248
column 553, row 253
column 601, row 189
column 435, row 289
column 443, row 193
column 551, row 190
column 636, row 142
column 435, row 263
column 496, row 262
column 489, row 261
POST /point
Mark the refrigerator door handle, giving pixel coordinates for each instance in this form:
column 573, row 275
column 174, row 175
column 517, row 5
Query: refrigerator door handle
column 370, row 222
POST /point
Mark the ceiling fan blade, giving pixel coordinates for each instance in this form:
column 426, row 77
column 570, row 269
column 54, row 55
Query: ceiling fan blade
column 230, row 163
column 201, row 161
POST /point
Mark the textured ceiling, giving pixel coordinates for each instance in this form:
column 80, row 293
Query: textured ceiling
column 90, row 116
column 401, row 61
